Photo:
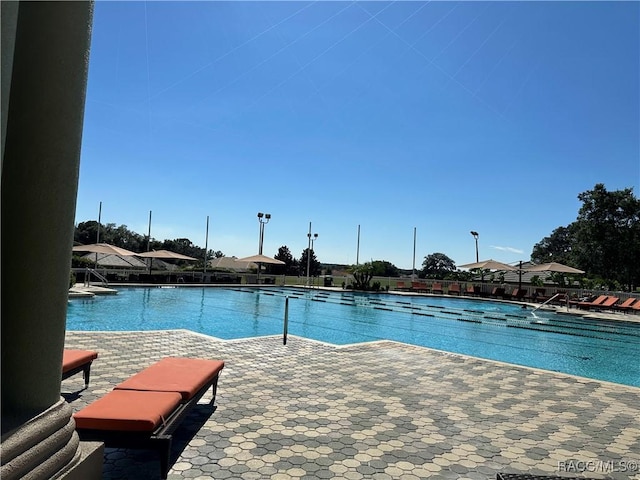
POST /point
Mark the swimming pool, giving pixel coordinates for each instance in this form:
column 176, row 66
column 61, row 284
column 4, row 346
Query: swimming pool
column 603, row 350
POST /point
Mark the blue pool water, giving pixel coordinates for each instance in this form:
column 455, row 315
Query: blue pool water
column 601, row 350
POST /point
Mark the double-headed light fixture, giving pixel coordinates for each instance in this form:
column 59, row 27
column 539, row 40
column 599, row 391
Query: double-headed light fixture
column 476, row 235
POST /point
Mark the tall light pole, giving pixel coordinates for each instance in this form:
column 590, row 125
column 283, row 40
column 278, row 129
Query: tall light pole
column 149, row 234
column 313, row 239
column 309, row 237
column 476, row 235
column 263, row 218
column 206, row 248
column 98, row 234
column 149, row 243
column 99, row 215
column 358, row 248
column 413, row 273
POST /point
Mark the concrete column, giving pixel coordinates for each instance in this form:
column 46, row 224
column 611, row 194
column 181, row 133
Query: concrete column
column 42, row 131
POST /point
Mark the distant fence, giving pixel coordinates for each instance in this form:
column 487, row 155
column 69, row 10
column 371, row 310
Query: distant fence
column 337, row 281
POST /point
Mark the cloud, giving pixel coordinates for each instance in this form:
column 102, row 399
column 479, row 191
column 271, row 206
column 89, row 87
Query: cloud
column 508, row 249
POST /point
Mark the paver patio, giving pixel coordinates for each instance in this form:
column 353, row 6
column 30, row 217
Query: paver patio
column 381, row 410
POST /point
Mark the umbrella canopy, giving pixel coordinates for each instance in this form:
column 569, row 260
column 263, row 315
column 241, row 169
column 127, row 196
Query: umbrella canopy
column 230, row 263
column 112, row 260
column 489, row 265
column 165, row 254
column 553, row 267
column 104, row 248
column 260, row 259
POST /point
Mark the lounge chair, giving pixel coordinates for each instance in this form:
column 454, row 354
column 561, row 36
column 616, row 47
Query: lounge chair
column 519, row 294
column 607, row 304
column 497, row 292
column 635, row 308
column 559, row 298
column 626, row 305
column 145, row 410
column 76, row 361
column 594, row 303
column 437, row 288
column 472, row 290
column 507, row 295
column 540, row 295
column 454, row 289
column 401, row 286
column 419, row 287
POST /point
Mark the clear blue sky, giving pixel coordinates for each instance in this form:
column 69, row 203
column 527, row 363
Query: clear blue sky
column 445, row 117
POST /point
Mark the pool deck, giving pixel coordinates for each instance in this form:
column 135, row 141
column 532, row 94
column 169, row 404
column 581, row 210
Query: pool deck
column 382, row 410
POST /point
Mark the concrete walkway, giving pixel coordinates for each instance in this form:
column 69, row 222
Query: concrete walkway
column 381, row 410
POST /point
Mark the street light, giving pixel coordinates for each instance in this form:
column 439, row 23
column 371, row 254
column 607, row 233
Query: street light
column 315, row 237
column 263, row 218
column 311, row 239
column 476, row 235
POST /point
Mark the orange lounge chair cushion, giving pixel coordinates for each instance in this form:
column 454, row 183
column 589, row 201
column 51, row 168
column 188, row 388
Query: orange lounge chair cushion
column 627, row 303
column 597, row 301
column 129, row 411
column 609, row 302
column 75, row 358
column 172, row 374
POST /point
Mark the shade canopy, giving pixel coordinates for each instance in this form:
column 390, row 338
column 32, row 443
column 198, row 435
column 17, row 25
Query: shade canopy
column 489, row 265
column 553, row 267
column 103, row 248
column 113, row 260
column 261, row 259
column 165, row 254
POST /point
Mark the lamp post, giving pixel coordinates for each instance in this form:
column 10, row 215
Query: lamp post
column 309, row 249
column 476, row 235
column 263, row 219
column 413, row 272
column 313, row 239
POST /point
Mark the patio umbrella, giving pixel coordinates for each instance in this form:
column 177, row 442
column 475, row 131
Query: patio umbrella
column 489, row 265
column 165, row 254
column 103, row 248
column 113, row 260
column 261, row 259
column 553, row 267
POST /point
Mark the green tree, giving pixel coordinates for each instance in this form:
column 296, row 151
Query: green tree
column 186, row 247
column 290, row 266
column 437, row 265
column 125, row 238
column 607, row 234
column 604, row 240
column 86, row 233
column 382, row 268
column 362, row 275
column 314, row 264
column 555, row 248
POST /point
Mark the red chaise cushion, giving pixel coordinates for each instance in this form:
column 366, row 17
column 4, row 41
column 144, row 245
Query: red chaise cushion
column 173, row 374
column 125, row 410
column 74, row 358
